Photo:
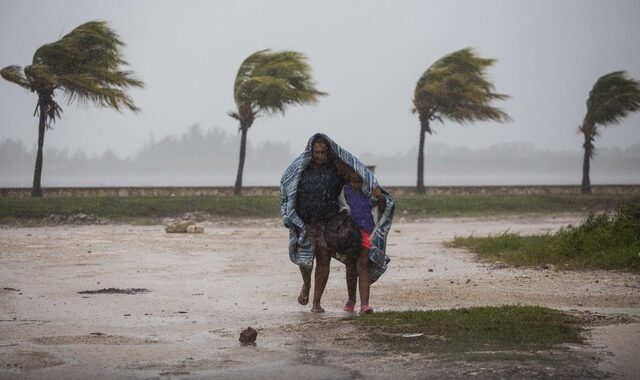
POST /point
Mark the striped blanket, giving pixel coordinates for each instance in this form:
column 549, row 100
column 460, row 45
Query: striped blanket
column 301, row 251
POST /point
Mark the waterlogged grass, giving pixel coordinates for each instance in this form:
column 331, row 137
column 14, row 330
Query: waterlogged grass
column 606, row 241
column 151, row 209
column 472, row 330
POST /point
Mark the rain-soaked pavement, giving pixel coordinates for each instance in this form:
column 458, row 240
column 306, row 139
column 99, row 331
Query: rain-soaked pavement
column 203, row 289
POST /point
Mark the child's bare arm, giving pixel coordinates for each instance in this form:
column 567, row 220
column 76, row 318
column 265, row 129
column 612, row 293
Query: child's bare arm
column 382, row 205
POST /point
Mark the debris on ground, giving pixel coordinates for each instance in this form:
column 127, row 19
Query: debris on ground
column 248, row 336
column 195, row 230
column 184, row 227
column 115, row 291
column 180, row 227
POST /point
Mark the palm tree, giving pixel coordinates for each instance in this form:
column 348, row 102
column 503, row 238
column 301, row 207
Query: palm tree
column 612, row 98
column 85, row 66
column 268, row 82
column 455, row 87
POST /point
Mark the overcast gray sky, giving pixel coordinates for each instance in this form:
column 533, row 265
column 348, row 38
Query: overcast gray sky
column 367, row 55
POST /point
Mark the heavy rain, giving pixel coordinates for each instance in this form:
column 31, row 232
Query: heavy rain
column 277, row 190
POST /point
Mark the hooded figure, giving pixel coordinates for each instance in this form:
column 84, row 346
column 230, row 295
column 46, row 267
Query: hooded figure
column 301, row 250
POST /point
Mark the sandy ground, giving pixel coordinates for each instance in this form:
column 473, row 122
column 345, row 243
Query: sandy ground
column 205, row 288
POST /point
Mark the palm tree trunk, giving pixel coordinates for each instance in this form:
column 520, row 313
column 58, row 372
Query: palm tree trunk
column 36, row 190
column 424, row 127
column 588, row 151
column 243, row 148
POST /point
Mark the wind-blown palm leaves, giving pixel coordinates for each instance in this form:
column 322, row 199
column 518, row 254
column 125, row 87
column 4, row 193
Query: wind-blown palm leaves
column 85, row 66
column 613, row 97
column 456, row 88
column 269, row 82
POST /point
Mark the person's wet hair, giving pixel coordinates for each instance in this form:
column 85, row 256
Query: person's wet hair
column 320, row 138
column 331, row 157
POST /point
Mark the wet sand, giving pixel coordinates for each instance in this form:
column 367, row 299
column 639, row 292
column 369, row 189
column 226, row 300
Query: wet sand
column 205, row 288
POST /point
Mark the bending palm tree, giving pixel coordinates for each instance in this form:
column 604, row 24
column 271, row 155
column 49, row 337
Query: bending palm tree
column 85, row 66
column 455, row 87
column 268, row 82
column 612, row 98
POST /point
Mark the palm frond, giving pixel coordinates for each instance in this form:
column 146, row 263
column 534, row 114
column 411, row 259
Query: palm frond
column 613, row 97
column 85, row 64
column 245, row 72
column 84, row 89
column 270, row 81
column 456, row 87
column 14, row 74
column 90, row 47
column 42, row 79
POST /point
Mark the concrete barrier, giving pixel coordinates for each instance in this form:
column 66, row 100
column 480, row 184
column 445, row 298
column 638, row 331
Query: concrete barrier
column 194, row 191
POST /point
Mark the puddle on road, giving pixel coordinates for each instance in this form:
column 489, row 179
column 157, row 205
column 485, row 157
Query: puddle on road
column 619, row 346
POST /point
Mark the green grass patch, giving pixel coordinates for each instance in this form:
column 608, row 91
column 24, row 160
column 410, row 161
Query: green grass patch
column 477, row 329
column 606, row 241
column 141, row 209
column 422, row 206
column 151, row 209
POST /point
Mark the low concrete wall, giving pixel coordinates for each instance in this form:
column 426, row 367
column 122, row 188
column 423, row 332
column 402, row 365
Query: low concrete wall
column 92, row 192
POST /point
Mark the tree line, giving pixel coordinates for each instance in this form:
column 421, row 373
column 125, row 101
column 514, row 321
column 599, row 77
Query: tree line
column 207, row 157
column 86, row 66
column 195, row 153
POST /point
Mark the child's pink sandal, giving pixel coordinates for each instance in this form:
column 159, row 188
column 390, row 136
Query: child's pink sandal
column 349, row 306
column 365, row 309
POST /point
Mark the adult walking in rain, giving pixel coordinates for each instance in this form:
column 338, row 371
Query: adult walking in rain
column 309, row 192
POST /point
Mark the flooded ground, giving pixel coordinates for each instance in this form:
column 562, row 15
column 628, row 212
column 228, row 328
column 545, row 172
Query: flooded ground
column 160, row 305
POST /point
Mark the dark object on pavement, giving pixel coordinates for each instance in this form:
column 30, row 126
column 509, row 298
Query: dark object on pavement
column 342, row 234
column 248, row 336
column 115, row 291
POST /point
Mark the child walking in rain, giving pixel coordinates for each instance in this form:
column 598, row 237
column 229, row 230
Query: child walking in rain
column 357, row 272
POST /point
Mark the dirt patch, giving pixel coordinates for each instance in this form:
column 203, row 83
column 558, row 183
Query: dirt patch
column 115, row 291
column 28, row 360
column 93, row 338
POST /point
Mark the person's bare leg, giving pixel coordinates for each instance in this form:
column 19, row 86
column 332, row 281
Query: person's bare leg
column 352, row 283
column 323, row 259
column 303, row 298
column 363, row 276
